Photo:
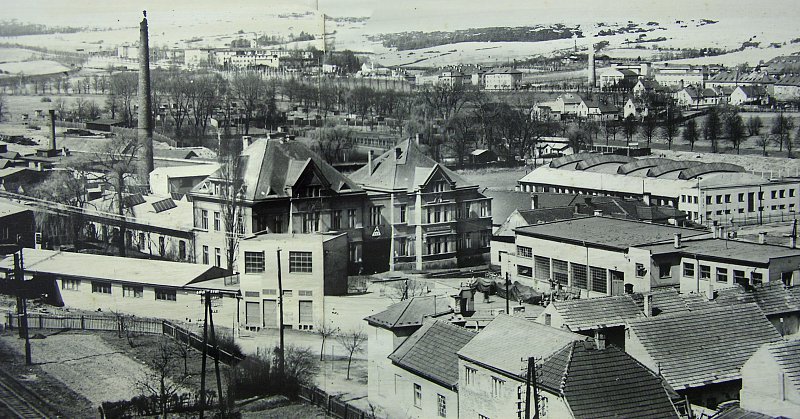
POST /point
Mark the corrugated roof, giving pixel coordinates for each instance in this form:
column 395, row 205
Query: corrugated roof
column 431, row 351
column 410, row 313
column 787, row 356
column 507, row 339
column 407, row 172
column 605, row 383
column 701, row 347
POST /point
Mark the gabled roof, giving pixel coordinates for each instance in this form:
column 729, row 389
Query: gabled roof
column 774, row 297
column 787, row 356
column 702, row 347
column 752, row 91
column 504, row 203
column 792, row 80
column 410, row 313
column 431, row 351
column 605, row 383
column 270, row 167
column 507, row 339
column 174, row 153
column 8, row 207
column 530, row 217
column 407, row 172
column 597, row 313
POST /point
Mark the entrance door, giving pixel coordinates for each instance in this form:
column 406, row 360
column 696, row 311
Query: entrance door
column 251, row 313
column 270, row 313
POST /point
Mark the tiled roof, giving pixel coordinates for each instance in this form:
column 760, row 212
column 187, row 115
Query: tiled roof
column 529, row 217
column 597, row 313
column 506, row 202
column 736, row 412
column 605, row 383
column 431, row 351
column 406, row 172
column 508, row 339
column 787, row 356
column 773, row 297
column 666, row 301
column 410, row 313
column 793, row 80
column 707, row 346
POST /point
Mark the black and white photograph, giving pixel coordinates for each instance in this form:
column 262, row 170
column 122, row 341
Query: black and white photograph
column 363, row 209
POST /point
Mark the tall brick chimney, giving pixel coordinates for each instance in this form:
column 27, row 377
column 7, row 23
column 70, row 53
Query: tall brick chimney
column 145, row 125
column 52, row 129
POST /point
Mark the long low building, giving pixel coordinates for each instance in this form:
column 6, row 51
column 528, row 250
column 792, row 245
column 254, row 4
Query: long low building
column 707, row 192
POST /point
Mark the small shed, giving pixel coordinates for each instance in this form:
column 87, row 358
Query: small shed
column 103, row 124
column 482, row 156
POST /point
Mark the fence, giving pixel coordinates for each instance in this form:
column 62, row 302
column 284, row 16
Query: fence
column 333, row 405
column 184, row 336
column 108, row 323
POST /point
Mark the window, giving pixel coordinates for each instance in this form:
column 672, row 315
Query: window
column 141, row 241
column 336, row 220
column 708, row 199
column 579, row 277
column 791, row 193
column 560, row 275
column 402, row 213
column 664, row 270
column 311, row 222
column 486, row 208
column 523, row 270
column 727, row 198
column 497, row 386
column 440, row 186
column 688, row 270
column 287, row 293
column 741, row 197
column 351, row 218
column 253, row 262
column 182, row 250
column 542, row 265
column 417, row 395
column 161, row 246
column 480, row 416
column 204, row 219
column 441, row 405
column 217, row 257
column 722, row 275
column 165, row 294
column 782, row 193
column 101, row 287
column 719, row 199
column 132, row 292
column 757, row 278
column 469, row 375
column 205, row 255
column 300, row 262
column 70, row 284
column 306, row 310
column 739, row 278
column 786, row 278
column 705, row 272
column 773, row 194
column 438, row 245
column 375, row 215
column 599, row 277
column 525, row 252
column 217, row 221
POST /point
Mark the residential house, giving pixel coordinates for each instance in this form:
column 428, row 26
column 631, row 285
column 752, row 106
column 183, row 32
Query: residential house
column 645, row 86
column 386, row 331
column 286, row 188
column 17, row 225
column 451, row 78
column 786, row 89
column 502, row 79
column 783, row 64
column 749, row 95
column 634, row 107
column 733, row 79
column 781, row 305
column 689, row 97
column 771, row 380
column 568, row 104
column 617, row 78
column 311, row 267
column 425, row 370
column 139, row 287
column 680, row 75
column 421, row 214
column 702, row 362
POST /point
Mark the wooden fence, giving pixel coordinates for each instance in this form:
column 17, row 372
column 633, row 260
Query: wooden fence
column 333, row 405
column 109, row 323
column 186, row 337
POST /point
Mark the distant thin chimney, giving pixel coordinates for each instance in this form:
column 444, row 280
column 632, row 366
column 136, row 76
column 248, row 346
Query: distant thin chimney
column 369, row 161
column 416, row 138
column 534, row 201
column 648, row 305
column 715, row 230
column 710, row 289
column 646, row 198
column 52, row 129
column 599, row 339
column 762, row 237
column 677, row 241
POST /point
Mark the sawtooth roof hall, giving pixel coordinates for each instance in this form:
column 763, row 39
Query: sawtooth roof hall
column 705, row 191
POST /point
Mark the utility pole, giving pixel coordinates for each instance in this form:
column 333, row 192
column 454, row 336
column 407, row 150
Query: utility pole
column 205, row 351
column 507, row 296
column 281, row 354
column 216, row 348
column 22, row 304
column 530, row 381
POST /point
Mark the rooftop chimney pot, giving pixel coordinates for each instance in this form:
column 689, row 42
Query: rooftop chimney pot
column 677, row 241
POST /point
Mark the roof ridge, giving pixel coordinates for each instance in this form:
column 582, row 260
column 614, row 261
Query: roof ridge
column 565, row 374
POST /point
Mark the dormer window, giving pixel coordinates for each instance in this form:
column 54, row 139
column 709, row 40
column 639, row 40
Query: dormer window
column 440, row 186
column 310, row 192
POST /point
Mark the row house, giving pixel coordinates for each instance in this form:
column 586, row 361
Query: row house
column 502, row 79
column 786, row 89
column 422, row 215
column 749, row 95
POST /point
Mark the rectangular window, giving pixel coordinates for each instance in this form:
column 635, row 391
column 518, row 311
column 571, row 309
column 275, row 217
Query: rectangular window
column 542, row 266
column 311, row 222
column 165, row 294
column 300, row 262
column 757, row 278
column 253, row 262
column 525, row 271
column 741, row 197
column 132, row 292
column 217, row 257
column 782, row 193
column 287, row 293
column 417, row 395
column 579, row 277
column 70, row 284
column 182, row 250
column 786, row 278
column 791, row 193
column 525, row 252
column 497, row 387
column 101, row 287
column 688, row 270
column 306, row 311
column 599, row 277
column 560, row 275
column 708, row 199
column 739, row 278
column 161, row 246
column 664, row 270
column 217, row 221
column 336, row 220
column 402, row 213
column 705, row 272
column 441, row 405
column 719, row 199
column 351, row 218
column 205, row 255
column 722, row 275
column 727, row 198
column 204, row 219
column 141, row 241
column 375, row 215
column 469, row 375
column 773, row 194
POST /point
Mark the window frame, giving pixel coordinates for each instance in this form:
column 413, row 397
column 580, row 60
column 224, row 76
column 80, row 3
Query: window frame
column 254, row 262
column 301, row 262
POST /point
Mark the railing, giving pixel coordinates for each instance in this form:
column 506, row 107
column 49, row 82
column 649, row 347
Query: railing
column 107, row 323
column 333, row 405
column 186, row 337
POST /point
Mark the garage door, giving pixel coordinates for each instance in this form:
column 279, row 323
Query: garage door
column 270, row 313
column 251, row 314
column 306, row 312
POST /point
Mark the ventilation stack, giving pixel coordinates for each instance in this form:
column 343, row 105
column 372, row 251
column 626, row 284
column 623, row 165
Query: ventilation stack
column 145, row 125
column 592, row 74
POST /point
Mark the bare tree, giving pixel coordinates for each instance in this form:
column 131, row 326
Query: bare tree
column 763, row 141
column 160, row 379
column 332, row 143
column 443, row 101
column 690, row 133
column 610, row 129
column 325, row 331
column 66, row 187
column 754, row 125
column 649, row 126
column 249, row 88
column 3, row 106
column 734, row 127
column 712, row 128
column 231, row 201
column 353, row 342
column 123, row 92
column 671, row 123
column 462, row 140
column 629, row 128
column 782, row 129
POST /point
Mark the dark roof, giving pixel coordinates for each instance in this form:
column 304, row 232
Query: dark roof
column 529, row 217
column 666, row 301
column 431, row 351
column 742, row 251
column 174, row 153
column 606, row 232
column 506, row 202
column 410, row 313
column 787, row 356
column 605, row 383
column 551, row 199
column 736, row 412
column 597, row 313
column 271, row 167
column 412, row 169
column 792, row 80
column 507, row 339
column 701, row 347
